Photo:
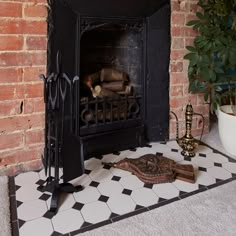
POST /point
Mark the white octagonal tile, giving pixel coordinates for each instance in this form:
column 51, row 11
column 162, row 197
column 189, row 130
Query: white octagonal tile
column 131, row 182
column 219, row 173
column 230, row 166
column 88, row 194
column 204, row 178
column 175, row 156
column 216, row 157
column 28, row 177
column 37, row 227
column 185, row 186
column 173, row 144
column 166, row 190
column 203, row 149
column 67, row 221
column 32, row 210
column 144, row 197
column 158, row 147
column 93, row 164
column 202, row 162
column 119, row 172
column 100, row 175
column 83, row 180
column 121, row 204
column 95, row 212
column 28, row 192
column 110, row 188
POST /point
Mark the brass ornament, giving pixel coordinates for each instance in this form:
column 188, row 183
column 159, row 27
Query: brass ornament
column 188, row 143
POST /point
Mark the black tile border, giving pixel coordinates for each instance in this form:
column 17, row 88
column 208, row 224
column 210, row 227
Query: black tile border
column 115, row 218
column 13, row 207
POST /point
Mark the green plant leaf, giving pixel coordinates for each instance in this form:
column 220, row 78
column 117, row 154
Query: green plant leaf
column 191, row 48
column 192, row 22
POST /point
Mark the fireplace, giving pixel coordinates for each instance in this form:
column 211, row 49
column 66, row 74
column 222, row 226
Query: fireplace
column 107, row 87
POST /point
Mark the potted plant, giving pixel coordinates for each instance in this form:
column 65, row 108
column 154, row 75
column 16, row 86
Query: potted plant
column 212, row 62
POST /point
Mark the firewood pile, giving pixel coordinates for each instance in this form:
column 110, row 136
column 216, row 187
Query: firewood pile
column 108, row 82
column 114, row 86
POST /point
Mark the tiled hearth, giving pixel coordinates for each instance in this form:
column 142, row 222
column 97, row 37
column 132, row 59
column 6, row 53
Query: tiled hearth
column 111, row 194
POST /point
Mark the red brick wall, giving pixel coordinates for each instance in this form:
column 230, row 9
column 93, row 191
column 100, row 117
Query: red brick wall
column 23, row 58
column 23, row 32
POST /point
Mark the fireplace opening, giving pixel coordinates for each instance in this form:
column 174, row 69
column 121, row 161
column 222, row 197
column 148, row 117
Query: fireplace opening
column 111, row 86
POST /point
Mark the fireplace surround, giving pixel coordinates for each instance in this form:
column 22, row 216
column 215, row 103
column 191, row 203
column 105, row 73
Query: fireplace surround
column 87, row 37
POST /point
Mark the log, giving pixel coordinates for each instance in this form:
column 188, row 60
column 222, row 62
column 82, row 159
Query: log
column 90, row 80
column 114, row 86
column 100, row 92
column 109, row 74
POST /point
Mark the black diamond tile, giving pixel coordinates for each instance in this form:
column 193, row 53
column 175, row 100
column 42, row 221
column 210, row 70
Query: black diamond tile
column 94, row 184
column 49, row 215
column 219, row 180
column 201, row 186
column 20, row 222
column 18, row 203
column 159, row 153
column 55, row 234
column 161, row 199
column 40, row 188
column 148, row 186
column 202, row 169
column 106, row 166
column 45, row 197
column 202, row 155
column 148, row 145
column 78, row 206
column 116, row 178
column 133, row 149
column 163, row 143
column 103, row 198
column 182, row 193
column 113, row 215
column 174, row 150
column 218, row 164
column 17, row 187
column 116, row 153
column 40, row 182
column 85, row 224
column 87, row 172
column 187, row 158
column 138, row 207
column 127, row 191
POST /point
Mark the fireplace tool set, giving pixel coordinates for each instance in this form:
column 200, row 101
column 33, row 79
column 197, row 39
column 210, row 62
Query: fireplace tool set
column 58, row 86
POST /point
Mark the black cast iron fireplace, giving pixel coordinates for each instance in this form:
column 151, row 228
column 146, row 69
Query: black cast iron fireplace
column 107, row 87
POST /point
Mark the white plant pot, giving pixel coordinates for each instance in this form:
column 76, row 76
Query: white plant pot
column 227, row 129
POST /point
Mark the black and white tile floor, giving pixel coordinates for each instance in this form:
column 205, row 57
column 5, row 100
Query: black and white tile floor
column 111, row 194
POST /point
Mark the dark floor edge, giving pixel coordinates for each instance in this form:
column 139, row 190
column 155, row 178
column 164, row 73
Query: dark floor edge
column 13, row 207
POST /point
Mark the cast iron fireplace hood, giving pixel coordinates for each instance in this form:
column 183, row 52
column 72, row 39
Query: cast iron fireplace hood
column 127, row 8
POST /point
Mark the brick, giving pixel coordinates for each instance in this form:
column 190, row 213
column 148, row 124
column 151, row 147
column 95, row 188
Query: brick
column 189, row 41
column 34, row 105
column 34, row 90
column 10, row 9
column 21, row 156
column 178, row 78
column 34, row 137
column 176, row 91
column 10, row 75
column 177, row 43
column 177, row 31
column 11, row 108
column 178, row 102
column 189, row 32
column 177, row 54
column 35, row 10
column 21, row 122
column 10, row 42
column 32, row 73
column 20, row 26
column 36, row 43
column 10, row 92
column 178, row 19
column 22, row 58
column 11, row 140
column 176, row 66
